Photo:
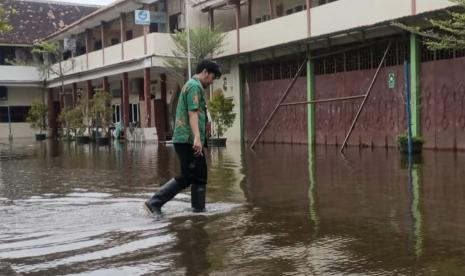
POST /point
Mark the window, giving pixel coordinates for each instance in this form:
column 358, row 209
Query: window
column 116, row 93
column 174, row 22
column 153, row 28
column 67, row 55
column 81, row 50
column 114, row 41
column 6, row 53
column 134, row 113
column 97, row 45
column 322, row 2
column 129, row 35
column 18, row 114
column 3, row 93
column 116, row 113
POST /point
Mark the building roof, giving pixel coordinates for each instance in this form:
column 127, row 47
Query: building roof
column 36, row 19
column 103, row 14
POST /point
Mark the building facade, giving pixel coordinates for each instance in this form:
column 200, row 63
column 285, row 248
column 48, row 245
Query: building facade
column 339, row 47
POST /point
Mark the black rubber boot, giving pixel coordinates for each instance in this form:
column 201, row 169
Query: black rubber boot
column 198, row 192
column 165, row 194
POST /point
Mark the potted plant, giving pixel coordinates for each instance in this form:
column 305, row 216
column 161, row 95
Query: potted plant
column 101, row 113
column 63, row 119
column 221, row 111
column 417, row 144
column 79, row 120
column 36, row 118
column 72, row 120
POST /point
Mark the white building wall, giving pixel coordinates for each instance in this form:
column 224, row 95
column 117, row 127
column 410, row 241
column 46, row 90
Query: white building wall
column 19, row 74
column 348, row 14
column 230, row 84
column 430, row 5
column 20, row 96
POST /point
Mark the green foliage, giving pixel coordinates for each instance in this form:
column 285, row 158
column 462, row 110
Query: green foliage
column 36, row 116
column 221, row 111
column 446, row 33
column 5, row 13
column 72, row 119
column 204, row 43
column 403, row 138
column 46, row 48
column 100, row 109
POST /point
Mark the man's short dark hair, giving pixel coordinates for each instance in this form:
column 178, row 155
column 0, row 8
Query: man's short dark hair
column 210, row 66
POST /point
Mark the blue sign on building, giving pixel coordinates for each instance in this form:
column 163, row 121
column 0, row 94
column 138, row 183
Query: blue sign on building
column 142, row 17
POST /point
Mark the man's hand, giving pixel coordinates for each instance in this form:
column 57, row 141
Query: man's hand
column 197, row 146
column 194, row 123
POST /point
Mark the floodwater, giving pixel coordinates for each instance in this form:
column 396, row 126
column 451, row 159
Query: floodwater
column 70, row 209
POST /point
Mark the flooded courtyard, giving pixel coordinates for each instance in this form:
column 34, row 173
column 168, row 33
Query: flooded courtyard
column 69, row 209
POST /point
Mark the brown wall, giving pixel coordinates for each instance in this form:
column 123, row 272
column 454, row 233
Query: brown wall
column 443, row 103
column 289, row 124
column 382, row 119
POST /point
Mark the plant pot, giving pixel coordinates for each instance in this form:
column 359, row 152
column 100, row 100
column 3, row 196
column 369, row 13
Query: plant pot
column 102, row 141
column 83, row 139
column 417, row 147
column 40, row 137
column 217, row 142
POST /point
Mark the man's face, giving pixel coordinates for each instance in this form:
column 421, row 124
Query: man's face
column 207, row 78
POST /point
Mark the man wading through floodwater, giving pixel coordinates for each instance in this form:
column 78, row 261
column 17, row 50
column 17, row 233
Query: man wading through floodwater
column 189, row 138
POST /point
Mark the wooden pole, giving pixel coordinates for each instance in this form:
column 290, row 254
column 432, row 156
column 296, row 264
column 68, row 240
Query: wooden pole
column 325, row 100
column 366, row 97
column 283, row 97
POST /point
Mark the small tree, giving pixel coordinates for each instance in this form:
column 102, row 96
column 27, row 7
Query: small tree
column 221, row 111
column 36, row 116
column 5, row 13
column 446, row 33
column 52, row 52
column 72, row 119
column 101, row 111
column 204, row 42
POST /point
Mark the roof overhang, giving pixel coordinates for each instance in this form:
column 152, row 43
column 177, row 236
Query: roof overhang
column 207, row 5
column 104, row 14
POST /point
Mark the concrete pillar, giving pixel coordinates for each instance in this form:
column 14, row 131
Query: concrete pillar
column 238, row 26
column 51, row 116
column 74, row 89
column 146, row 30
column 125, row 99
column 147, row 97
column 415, row 64
column 211, row 18
column 103, row 39
column 61, row 98
column 89, row 90
column 161, row 121
column 249, row 6
column 106, row 85
column 271, row 8
column 309, row 17
column 123, row 37
column 88, row 35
